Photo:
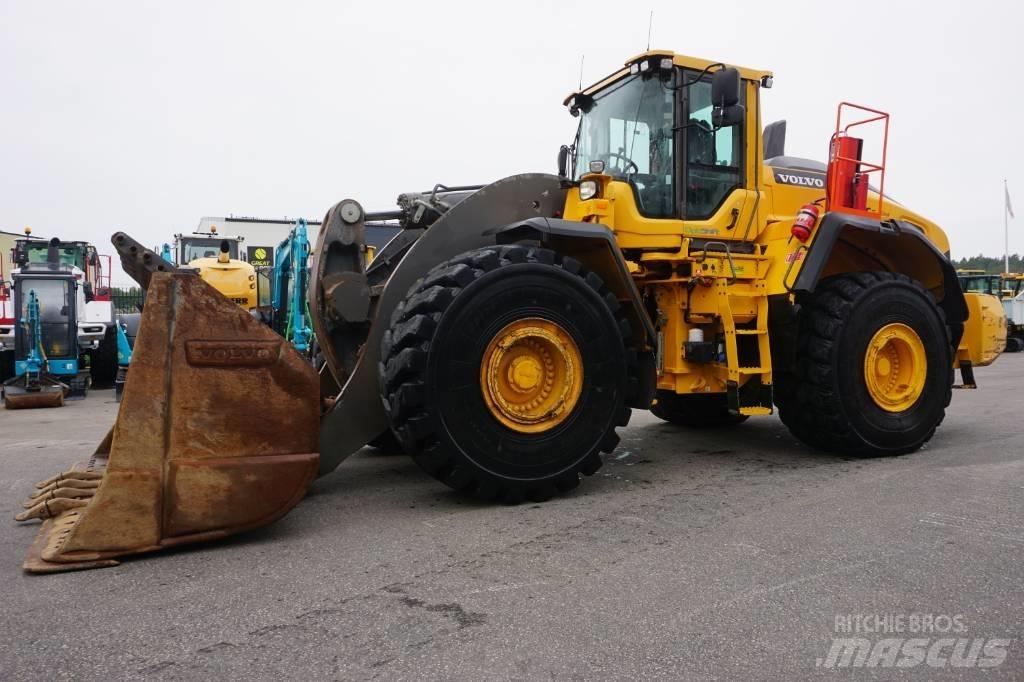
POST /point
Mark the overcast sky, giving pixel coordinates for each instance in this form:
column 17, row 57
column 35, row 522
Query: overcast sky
column 145, row 116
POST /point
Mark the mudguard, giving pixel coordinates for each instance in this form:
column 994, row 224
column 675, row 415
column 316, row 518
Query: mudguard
column 832, row 227
column 357, row 415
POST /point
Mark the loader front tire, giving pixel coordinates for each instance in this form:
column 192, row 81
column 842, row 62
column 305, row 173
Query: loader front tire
column 874, row 368
column 505, row 372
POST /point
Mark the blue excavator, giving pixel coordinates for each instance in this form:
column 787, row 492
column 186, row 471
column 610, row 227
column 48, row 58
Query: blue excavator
column 37, row 380
column 289, row 315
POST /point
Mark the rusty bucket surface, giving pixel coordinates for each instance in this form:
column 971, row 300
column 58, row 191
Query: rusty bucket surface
column 216, row 434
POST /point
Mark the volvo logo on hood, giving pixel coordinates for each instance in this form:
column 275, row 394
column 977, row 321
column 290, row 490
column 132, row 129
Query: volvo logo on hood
column 786, row 176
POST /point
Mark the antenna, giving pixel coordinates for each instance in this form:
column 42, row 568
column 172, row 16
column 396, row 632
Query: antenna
column 582, row 57
column 650, row 22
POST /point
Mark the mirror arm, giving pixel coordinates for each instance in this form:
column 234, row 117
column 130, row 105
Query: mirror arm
column 707, row 69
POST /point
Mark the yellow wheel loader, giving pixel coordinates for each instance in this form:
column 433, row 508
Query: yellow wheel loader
column 678, row 262
column 216, row 258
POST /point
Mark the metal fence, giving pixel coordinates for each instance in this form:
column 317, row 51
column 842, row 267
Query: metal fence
column 127, row 300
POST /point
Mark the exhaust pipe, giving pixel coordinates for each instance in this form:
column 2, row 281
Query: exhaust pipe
column 53, row 252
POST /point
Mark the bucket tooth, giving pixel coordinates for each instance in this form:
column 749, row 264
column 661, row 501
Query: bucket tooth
column 216, row 434
column 50, row 507
column 65, row 491
column 66, row 486
column 71, row 477
column 68, row 492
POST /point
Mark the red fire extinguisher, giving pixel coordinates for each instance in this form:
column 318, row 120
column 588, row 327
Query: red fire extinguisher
column 805, row 221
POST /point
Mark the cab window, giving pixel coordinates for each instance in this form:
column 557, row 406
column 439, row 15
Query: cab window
column 714, row 158
column 192, row 248
column 629, row 128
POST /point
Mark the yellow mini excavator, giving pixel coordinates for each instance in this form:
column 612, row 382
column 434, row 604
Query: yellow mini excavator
column 679, row 261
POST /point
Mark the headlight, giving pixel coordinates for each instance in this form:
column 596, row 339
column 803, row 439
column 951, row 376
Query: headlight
column 588, row 189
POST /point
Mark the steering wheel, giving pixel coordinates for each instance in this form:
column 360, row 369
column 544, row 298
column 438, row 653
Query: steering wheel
column 628, row 161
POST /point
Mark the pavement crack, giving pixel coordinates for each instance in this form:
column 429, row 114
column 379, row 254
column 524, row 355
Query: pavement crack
column 214, row 648
column 259, row 632
column 453, row 610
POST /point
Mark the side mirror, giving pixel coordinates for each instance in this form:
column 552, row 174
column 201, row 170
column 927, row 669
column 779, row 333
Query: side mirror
column 725, row 87
column 563, row 161
column 728, row 116
column 725, row 98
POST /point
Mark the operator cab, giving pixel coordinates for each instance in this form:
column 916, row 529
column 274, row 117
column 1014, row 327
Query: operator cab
column 671, row 127
column 976, row 281
column 55, row 293
column 189, row 248
column 78, row 255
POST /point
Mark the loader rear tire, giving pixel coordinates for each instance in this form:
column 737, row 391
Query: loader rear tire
column 434, row 372
column 695, row 410
column 828, row 401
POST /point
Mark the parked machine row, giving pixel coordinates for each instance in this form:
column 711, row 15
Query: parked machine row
column 57, row 316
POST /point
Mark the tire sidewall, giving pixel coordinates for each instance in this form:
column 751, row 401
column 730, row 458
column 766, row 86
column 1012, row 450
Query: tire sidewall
column 893, row 302
column 465, row 425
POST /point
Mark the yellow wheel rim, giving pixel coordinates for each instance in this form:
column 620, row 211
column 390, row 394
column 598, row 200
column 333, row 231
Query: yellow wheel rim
column 895, row 367
column 531, row 375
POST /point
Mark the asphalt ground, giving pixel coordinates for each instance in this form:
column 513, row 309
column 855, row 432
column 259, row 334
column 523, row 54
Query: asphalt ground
column 732, row 555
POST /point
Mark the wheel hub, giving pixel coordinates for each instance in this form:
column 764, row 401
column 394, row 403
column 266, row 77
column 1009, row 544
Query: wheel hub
column 895, row 367
column 531, row 375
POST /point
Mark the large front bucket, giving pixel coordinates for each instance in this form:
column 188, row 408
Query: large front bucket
column 216, row 434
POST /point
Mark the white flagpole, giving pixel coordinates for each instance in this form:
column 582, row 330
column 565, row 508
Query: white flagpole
column 1006, row 229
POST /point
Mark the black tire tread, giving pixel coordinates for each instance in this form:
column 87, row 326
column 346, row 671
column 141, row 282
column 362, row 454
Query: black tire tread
column 807, row 398
column 405, row 348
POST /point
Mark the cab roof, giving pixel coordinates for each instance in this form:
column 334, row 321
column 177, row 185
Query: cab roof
column 680, row 60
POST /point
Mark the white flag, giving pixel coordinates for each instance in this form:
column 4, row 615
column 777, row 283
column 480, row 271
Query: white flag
column 1009, row 206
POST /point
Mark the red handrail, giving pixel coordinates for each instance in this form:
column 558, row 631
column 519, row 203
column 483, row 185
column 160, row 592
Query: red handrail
column 862, row 166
